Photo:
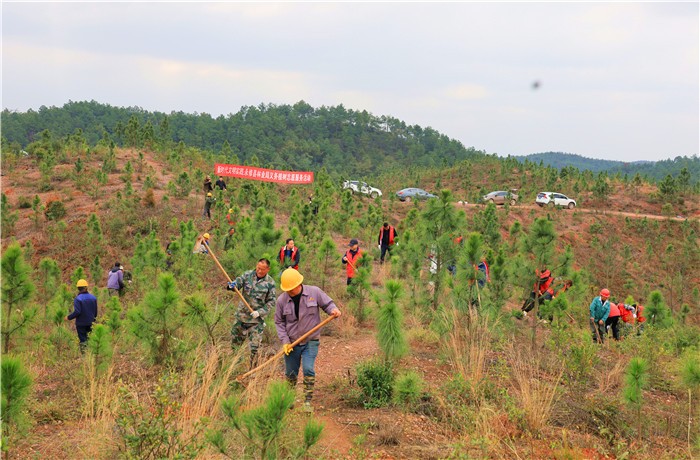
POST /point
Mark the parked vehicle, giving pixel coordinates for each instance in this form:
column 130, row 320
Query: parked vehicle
column 362, row 187
column 411, row 193
column 553, row 199
column 501, row 197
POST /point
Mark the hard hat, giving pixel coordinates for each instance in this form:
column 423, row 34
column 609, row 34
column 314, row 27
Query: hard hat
column 230, row 211
column 290, row 279
column 605, row 293
column 209, row 194
column 81, row 283
column 206, row 236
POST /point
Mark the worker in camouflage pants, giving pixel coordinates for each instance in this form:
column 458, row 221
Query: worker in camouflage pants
column 258, row 288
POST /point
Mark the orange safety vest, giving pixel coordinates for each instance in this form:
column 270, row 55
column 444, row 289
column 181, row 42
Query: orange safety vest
column 543, row 284
column 640, row 310
column 615, row 309
column 229, row 219
column 294, row 254
column 349, row 269
column 391, row 235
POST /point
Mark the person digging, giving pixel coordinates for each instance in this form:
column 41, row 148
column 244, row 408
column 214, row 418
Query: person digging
column 298, row 311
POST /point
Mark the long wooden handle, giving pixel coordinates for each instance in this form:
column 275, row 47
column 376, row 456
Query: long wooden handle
column 294, row 344
column 211, row 253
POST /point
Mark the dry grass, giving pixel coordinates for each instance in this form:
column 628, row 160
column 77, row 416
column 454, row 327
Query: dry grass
column 204, row 388
column 98, row 392
column 468, row 342
column 610, row 378
column 536, row 389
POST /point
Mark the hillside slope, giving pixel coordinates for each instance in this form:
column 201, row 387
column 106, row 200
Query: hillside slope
column 473, row 401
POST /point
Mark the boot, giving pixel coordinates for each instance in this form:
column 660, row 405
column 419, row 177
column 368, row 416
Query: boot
column 308, row 392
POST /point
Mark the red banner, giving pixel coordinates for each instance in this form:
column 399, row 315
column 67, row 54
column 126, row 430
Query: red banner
column 262, row 174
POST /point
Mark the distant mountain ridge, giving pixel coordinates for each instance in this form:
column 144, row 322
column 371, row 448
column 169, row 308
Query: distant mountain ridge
column 652, row 169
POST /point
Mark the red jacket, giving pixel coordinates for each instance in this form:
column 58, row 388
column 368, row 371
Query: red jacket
column 640, row 310
column 544, row 282
column 294, row 257
column 352, row 262
column 627, row 315
column 615, row 309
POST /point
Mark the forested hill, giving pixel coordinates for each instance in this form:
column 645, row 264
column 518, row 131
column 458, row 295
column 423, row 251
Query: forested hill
column 652, row 169
column 297, row 137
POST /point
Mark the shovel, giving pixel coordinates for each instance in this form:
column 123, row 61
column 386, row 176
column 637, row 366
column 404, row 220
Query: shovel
column 294, row 344
column 211, row 253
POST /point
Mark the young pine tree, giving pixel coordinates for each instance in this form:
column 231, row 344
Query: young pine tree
column 16, row 385
column 262, row 427
column 17, row 291
column 390, row 333
column 50, row 277
column 157, row 319
column 327, row 255
column 196, row 311
column 100, row 346
column 636, row 378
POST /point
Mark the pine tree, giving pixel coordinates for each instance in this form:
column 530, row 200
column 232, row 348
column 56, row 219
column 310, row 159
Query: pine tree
column 50, row 277
column 195, row 309
column 100, row 346
column 636, row 378
column 157, row 320
column 17, row 291
column 326, row 254
column 16, row 385
column 390, row 334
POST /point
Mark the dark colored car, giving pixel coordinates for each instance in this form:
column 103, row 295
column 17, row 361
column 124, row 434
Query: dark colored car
column 501, row 197
column 409, row 194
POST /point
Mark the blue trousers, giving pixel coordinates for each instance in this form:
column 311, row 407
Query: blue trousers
column 303, row 355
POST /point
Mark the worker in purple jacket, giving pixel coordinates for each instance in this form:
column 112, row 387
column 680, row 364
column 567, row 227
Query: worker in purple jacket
column 298, row 311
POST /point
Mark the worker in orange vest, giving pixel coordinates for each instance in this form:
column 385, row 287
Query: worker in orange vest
column 387, row 239
column 289, row 255
column 639, row 316
column 350, row 259
column 613, row 321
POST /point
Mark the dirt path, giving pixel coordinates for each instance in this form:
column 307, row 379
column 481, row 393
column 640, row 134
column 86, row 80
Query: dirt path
column 603, row 212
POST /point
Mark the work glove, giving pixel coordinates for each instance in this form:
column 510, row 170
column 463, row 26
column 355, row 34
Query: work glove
column 379, row 246
column 397, row 243
column 634, row 316
column 287, row 348
column 231, row 286
column 345, row 260
column 255, row 314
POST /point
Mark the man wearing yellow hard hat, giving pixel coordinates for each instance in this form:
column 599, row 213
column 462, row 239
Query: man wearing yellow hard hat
column 298, row 311
column 84, row 313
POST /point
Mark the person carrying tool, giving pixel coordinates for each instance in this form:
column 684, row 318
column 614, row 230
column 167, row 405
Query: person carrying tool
column 298, row 311
column 350, row 259
column 289, row 255
column 387, row 239
column 258, row 288
column 202, row 245
column 600, row 310
column 230, row 218
column 84, row 313
column 545, row 279
column 210, row 200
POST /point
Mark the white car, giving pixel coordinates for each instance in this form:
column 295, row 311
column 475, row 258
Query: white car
column 362, row 187
column 552, row 199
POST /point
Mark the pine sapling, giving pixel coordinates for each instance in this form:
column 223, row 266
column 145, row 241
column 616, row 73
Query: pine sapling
column 690, row 373
column 100, row 346
column 390, row 333
column 636, row 379
column 16, row 385
column 17, row 291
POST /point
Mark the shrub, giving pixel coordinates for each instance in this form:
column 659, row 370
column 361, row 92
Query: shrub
column 149, row 199
column 24, row 202
column 153, row 432
column 408, row 388
column 55, row 210
column 376, row 380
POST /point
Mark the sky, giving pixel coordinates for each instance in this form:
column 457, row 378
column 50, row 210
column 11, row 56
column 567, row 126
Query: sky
column 617, row 81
